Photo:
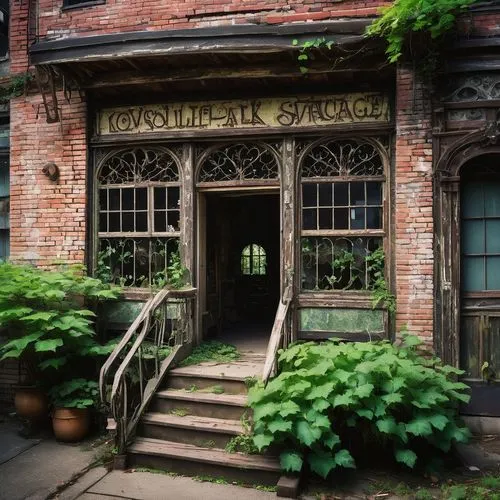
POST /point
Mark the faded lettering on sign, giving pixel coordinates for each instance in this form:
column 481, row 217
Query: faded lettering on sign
column 251, row 113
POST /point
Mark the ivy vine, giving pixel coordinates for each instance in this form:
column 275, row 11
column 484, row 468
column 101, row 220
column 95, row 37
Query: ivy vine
column 404, row 17
column 15, row 88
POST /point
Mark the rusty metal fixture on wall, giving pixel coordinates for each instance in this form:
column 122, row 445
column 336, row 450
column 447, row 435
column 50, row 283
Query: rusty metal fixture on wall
column 45, row 79
column 51, row 170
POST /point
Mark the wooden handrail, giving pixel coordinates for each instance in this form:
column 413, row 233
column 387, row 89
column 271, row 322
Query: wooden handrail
column 277, row 333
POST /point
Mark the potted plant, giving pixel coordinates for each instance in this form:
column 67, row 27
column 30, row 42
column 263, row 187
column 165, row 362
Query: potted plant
column 72, row 401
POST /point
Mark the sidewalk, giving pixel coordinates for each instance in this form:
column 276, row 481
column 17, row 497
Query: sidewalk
column 103, row 485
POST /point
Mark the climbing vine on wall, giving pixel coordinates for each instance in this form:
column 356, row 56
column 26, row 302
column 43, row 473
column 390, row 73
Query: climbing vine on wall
column 15, row 87
column 404, row 17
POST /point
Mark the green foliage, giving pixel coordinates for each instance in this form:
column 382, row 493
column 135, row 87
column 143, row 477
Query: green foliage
column 179, row 412
column 45, row 316
column 375, row 265
column 174, row 276
column 15, row 88
column 404, row 17
column 242, row 443
column 212, row 351
column 75, row 393
column 306, row 47
column 381, row 392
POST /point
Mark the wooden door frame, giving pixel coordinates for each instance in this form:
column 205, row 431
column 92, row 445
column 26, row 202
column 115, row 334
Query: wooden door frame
column 447, row 183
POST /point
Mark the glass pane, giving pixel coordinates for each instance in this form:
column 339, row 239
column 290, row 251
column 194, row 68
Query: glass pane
column 309, row 195
column 325, row 195
column 128, row 221
column 103, row 223
column 309, row 219
column 492, row 198
column 493, row 236
column 141, row 199
column 357, row 218
column 160, row 198
column 114, row 222
column 173, row 197
column 472, row 200
column 103, row 199
column 473, row 274
column 160, row 222
column 141, row 221
column 341, row 198
column 492, row 273
column 325, row 218
column 128, row 199
column 173, row 220
column 373, row 218
column 357, row 193
column 473, row 236
column 373, row 193
column 114, row 199
column 341, row 218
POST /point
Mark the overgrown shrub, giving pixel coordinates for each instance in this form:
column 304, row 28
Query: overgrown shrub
column 46, row 316
column 380, row 391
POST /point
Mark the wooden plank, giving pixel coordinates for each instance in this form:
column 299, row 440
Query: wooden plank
column 196, row 454
column 351, row 337
column 195, row 422
column 204, row 397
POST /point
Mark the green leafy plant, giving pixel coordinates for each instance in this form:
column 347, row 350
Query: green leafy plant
column 329, row 395
column 15, row 88
column 45, row 316
column 212, row 351
column 375, row 265
column 75, row 393
column 305, row 50
column 242, row 443
column 402, row 18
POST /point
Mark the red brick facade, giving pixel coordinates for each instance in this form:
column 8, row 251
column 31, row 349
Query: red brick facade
column 48, row 221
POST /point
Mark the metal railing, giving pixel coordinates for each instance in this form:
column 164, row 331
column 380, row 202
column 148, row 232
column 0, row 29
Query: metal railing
column 280, row 334
column 161, row 334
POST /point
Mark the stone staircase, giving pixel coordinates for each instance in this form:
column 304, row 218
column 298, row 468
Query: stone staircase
column 191, row 420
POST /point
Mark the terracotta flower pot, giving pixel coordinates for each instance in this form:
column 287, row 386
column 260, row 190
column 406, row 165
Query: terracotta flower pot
column 70, row 424
column 30, row 402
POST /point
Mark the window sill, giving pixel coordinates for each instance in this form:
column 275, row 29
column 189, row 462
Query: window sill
column 90, row 3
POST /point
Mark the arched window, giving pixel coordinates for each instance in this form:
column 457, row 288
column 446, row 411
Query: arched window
column 138, row 216
column 253, row 260
column 342, row 220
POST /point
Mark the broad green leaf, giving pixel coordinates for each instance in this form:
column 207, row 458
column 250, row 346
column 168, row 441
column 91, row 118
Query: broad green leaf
column 331, row 441
column 321, row 391
column 288, row 408
column 307, row 434
column 48, row 345
column 387, row 425
column 419, row 426
column 407, row 457
column 322, row 421
column 363, row 391
column 40, row 316
column 344, row 459
column 291, row 461
column 266, row 410
column 22, row 343
column 280, row 425
column 392, row 398
column 298, row 388
column 321, row 404
column 261, row 441
column 321, row 464
column 439, row 421
column 365, row 413
column 343, row 399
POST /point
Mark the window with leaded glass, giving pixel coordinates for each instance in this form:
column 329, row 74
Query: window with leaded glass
column 253, row 260
column 138, row 216
column 342, row 219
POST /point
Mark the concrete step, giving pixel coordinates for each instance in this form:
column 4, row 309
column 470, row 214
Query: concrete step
column 197, row 461
column 203, row 404
column 190, row 429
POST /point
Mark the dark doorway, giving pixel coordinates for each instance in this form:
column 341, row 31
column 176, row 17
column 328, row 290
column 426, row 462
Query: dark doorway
column 242, row 267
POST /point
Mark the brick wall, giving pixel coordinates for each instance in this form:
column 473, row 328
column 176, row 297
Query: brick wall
column 137, row 15
column 47, row 217
column 413, row 217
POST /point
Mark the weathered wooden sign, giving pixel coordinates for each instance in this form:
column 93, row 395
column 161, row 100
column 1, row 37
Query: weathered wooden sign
column 288, row 112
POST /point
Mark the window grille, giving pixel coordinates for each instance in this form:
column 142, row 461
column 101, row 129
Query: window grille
column 138, row 216
column 342, row 219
